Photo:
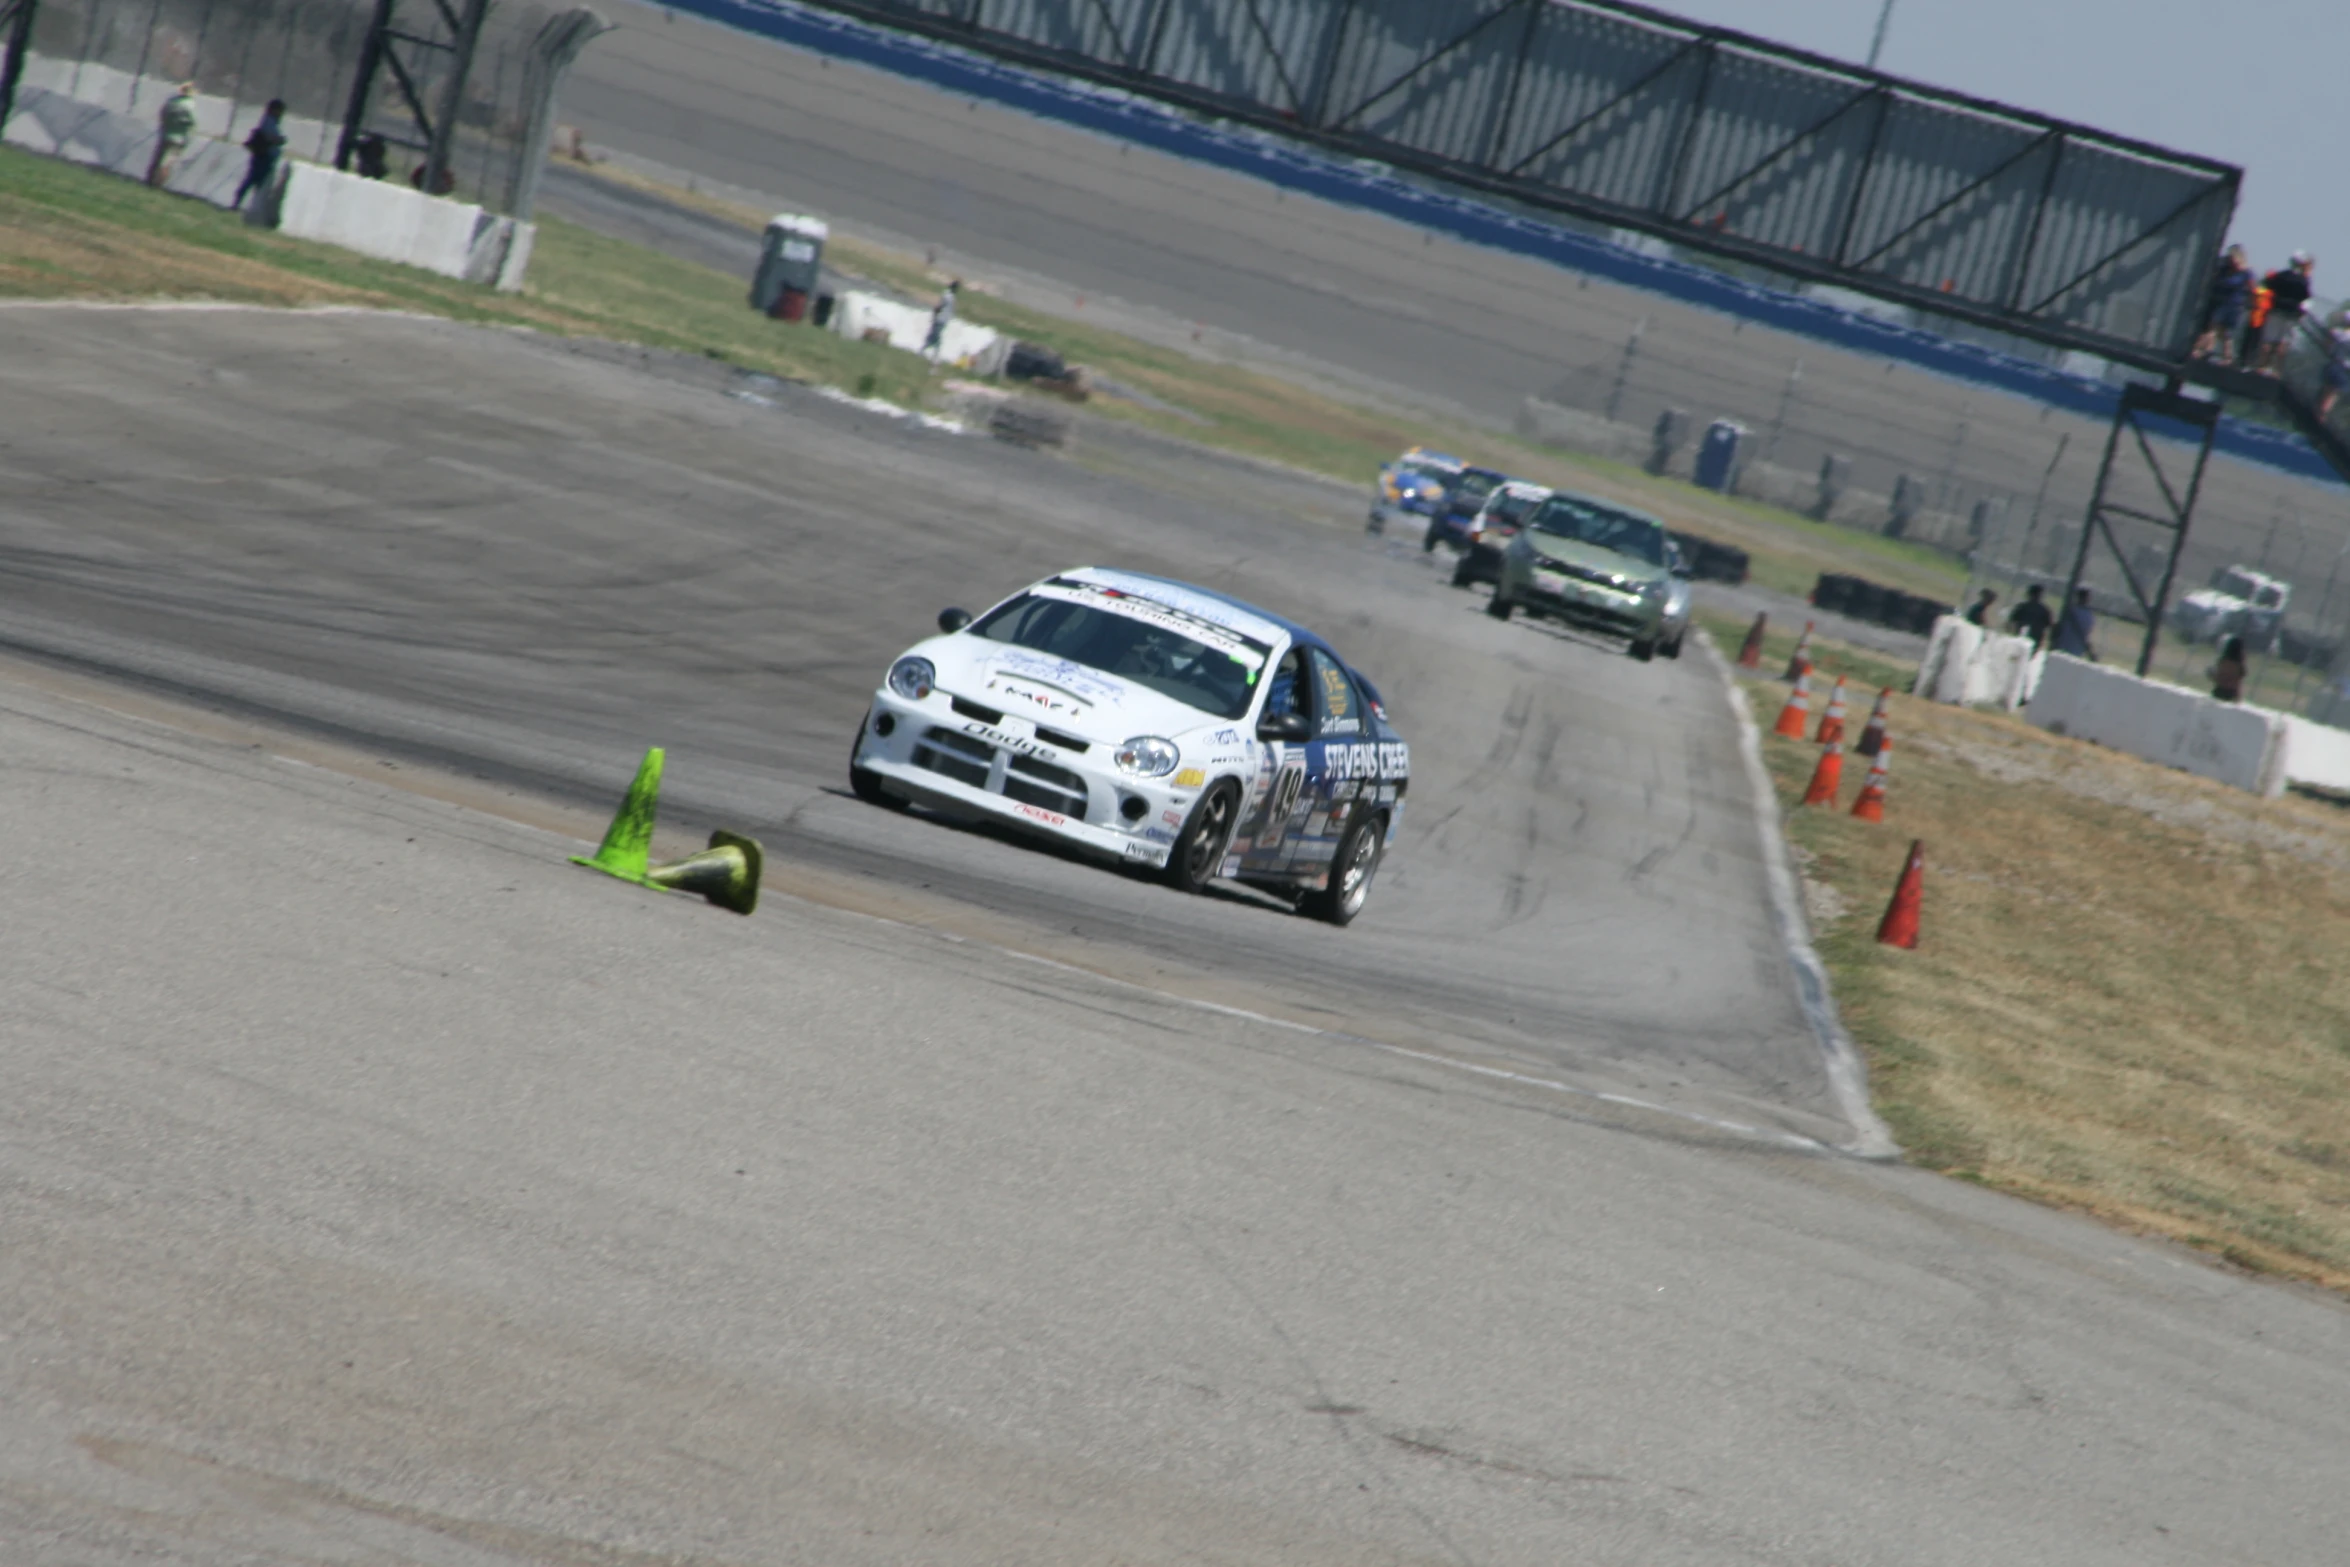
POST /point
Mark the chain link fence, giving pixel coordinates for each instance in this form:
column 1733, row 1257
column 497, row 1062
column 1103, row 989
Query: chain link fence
column 99, row 71
column 1998, row 481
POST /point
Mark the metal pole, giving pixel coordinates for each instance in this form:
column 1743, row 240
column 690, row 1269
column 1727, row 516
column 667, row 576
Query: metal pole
column 20, row 36
column 1615, row 398
column 1877, row 44
column 444, row 131
column 371, row 54
column 2090, row 523
column 2178, row 548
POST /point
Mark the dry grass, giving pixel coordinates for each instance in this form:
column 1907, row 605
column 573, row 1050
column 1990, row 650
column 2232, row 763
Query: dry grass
column 2132, row 995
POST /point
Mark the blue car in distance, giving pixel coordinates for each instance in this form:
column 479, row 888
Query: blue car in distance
column 1464, row 497
column 1412, row 485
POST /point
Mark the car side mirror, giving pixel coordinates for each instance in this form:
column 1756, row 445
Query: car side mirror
column 1285, row 726
column 953, row 619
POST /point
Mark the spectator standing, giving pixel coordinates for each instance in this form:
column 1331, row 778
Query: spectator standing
column 2031, row 618
column 263, row 144
column 2288, row 300
column 2072, row 632
column 175, row 123
column 1979, row 612
column 942, row 316
column 2229, row 307
column 2227, row 675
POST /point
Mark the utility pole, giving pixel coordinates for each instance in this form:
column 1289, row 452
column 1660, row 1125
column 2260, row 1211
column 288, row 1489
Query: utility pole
column 1615, row 398
column 1877, row 44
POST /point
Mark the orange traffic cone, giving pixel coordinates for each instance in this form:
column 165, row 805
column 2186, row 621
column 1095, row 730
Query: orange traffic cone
column 1832, row 721
column 1870, row 807
column 1750, row 656
column 1795, row 717
column 1900, row 925
column 1828, row 777
column 1873, row 734
column 1800, row 659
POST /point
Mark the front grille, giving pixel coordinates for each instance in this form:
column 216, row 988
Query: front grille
column 964, row 758
column 1035, row 781
column 967, row 759
column 986, row 715
column 1065, row 742
column 1591, row 574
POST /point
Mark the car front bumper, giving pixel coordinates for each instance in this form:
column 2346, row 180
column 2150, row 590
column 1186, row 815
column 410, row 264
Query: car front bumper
column 1001, row 772
column 1590, row 605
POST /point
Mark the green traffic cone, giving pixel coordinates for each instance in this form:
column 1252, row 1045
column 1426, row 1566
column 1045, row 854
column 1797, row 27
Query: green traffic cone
column 627, row 850
column 727, row 872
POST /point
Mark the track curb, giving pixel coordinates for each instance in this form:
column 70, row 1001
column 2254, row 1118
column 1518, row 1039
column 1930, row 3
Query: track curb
column 1848, row 1074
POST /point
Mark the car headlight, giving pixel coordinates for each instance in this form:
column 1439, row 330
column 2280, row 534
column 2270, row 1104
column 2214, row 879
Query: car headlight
column 912, row 678
column 1146, row 756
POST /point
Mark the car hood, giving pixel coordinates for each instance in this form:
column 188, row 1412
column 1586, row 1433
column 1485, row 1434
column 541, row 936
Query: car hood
column 1574, row 552
column 1058, row 692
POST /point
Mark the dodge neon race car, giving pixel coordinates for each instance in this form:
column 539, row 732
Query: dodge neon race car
column 1149, row 722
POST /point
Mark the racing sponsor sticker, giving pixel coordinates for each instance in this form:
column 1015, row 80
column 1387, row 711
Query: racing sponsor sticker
column 1009, row 742
column 1039, row 813
column 1381, row 759
column 1190, row 778
column 1065, row 675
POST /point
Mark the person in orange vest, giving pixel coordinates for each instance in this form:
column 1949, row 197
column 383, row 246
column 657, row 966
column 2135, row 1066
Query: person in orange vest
column 2255, row 320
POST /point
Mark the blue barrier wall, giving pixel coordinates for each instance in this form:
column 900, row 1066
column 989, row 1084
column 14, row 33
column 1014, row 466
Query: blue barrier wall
column 1299, row 168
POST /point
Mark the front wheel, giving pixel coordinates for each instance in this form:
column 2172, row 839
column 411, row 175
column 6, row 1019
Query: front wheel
column 1500, row 605
column 1199, row 852
column 1643, row 651
column 1428, row 539
column 1672, row 649
column 1462, row 575
column 1351, row 871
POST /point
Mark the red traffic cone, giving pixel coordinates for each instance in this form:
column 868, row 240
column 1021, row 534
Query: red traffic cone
column 1900, row 926
column 1795, row 717
column 1750, row 655
column 1828, row 777
column 1800, row 659
column 1872, row 734
column 1870, row 807
column 1832, row 721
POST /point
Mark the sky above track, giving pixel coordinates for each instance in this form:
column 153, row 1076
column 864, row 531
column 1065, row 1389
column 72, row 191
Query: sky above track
column 2265, row 86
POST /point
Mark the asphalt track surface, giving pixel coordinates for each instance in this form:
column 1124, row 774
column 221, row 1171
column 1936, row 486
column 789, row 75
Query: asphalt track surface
column 1363, row 300
column 374, row 1186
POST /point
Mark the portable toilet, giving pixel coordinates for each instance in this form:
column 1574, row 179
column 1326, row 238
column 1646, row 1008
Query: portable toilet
column 790, row 258
column 1717, row 456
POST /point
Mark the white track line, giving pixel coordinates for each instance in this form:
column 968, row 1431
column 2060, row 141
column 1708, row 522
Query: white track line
column 1848, row 1075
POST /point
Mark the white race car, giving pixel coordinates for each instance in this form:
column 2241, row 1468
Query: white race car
column 1149, row 722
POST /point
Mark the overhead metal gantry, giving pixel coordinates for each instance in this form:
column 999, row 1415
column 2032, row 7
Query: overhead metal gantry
column 1716, row 140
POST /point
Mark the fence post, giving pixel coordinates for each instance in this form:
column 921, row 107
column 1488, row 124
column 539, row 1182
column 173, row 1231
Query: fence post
column 18, row 17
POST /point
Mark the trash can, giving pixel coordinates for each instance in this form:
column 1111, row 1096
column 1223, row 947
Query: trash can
column 790, row 258
column 1717, row 456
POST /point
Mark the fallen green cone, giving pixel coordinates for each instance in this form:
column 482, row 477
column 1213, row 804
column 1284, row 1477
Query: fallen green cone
column 726, row 873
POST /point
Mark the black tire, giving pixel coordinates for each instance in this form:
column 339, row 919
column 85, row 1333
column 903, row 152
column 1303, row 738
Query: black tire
column 1351, row 870
column 1672, row 649
column 1377, row 524
column 1500, row 605
column 1428, row 539
column 1198, row 855
column 1461, row 574
column 867, row 783
column 1643, row 651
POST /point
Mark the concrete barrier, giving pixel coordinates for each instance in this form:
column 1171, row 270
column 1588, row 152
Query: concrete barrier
column 965, row 344
column 2316, row 754
column 397, row 223
column 2243, row 747
column 1964, row 664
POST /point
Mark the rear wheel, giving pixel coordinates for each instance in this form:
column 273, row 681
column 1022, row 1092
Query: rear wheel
column 866, row 782
column 1199, row 851
column 1350, row 874
column 1428, row 539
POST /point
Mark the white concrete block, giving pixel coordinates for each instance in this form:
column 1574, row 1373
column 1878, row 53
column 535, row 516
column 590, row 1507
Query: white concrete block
column 2242, row 747
column 2315, row 754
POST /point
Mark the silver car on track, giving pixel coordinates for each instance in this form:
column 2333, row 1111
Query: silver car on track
column 1593, row 564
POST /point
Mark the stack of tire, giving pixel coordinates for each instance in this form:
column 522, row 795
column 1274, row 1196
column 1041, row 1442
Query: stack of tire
column 1711, row 562
column 1857, row 598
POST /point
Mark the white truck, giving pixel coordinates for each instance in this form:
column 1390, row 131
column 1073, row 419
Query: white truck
column 2240, row 602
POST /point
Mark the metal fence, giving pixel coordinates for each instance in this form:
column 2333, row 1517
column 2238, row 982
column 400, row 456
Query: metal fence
column 2002, row 481
column 127, row 56
column 1712, row 139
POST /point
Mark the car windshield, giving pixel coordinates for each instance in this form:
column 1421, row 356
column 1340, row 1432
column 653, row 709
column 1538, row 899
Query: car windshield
column 1625, row 532
column 1473, row 486
column 1196, row 662
column 1510, row 509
